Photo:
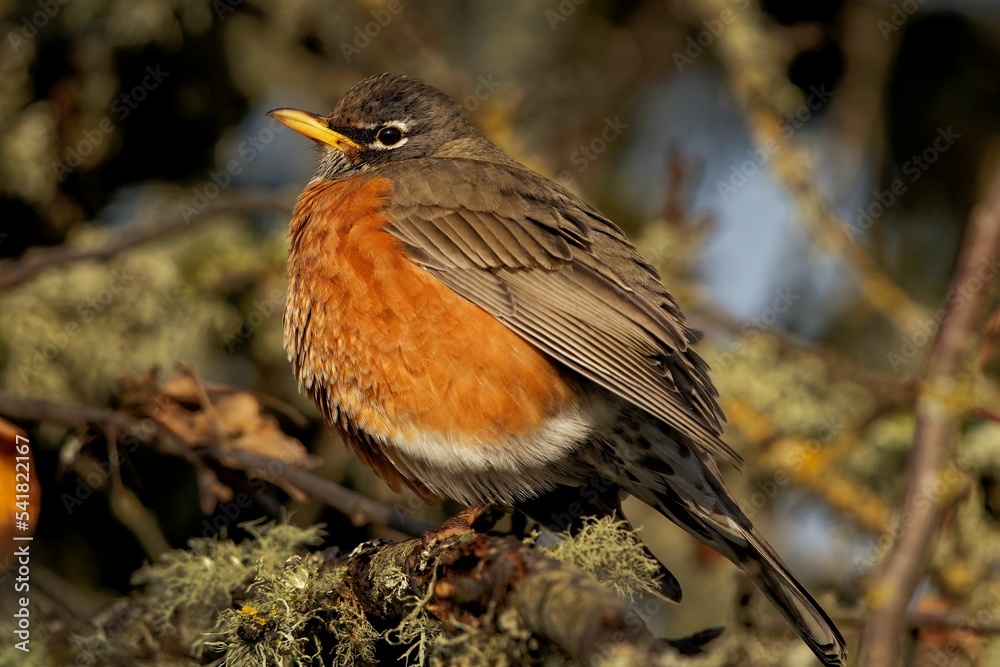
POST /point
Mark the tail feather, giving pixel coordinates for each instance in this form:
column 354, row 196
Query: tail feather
column 727, row 530
column 794, row 602
column 659, row 466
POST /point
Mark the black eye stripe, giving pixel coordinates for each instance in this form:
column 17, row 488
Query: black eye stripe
column 389, row 135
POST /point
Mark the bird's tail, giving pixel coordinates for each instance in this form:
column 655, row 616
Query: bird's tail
column 725, row 528
column 794, row 602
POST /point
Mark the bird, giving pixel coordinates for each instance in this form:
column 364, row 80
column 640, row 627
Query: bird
column 476, row 331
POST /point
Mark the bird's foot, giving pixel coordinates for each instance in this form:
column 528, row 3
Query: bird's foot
column 471, row 519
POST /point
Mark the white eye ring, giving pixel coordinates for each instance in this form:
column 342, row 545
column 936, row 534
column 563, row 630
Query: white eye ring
column 390, row 136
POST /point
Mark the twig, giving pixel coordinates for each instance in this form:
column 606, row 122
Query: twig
column 959, row 621
column 139, row 520
column 937, row 428
column 359, row 508
column 759, row 81
column 39, row 259
column 839, row 365
column 39, row 409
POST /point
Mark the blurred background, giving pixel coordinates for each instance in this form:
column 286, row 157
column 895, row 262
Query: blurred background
column 802, row 174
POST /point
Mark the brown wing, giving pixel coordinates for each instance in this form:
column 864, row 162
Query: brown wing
column 563, row 277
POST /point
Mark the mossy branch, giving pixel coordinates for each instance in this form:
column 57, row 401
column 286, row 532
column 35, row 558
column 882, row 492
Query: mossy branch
column 454, row 596
column 485, row 575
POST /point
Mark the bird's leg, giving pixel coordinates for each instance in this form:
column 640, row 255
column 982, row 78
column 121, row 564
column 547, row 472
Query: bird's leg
column 476, row 517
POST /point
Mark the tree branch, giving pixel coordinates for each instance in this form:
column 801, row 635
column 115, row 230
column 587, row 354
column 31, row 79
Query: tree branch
column 475, row 571
column 759, row 81
column 359, row 508
column 37, row 260
column 924, row 503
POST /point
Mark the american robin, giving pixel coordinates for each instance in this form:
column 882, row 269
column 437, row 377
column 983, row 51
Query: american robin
column 476, row 331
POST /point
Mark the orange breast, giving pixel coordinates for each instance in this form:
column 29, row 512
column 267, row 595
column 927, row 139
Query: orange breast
column 388, row 347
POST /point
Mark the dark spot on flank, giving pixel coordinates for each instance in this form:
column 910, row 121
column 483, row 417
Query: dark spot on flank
column 658, row 465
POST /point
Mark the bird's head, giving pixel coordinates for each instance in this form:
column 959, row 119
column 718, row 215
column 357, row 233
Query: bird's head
column 381, row 119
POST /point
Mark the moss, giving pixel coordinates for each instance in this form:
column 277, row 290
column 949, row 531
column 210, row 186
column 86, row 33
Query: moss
column 417, row 630
column 493, row 639
column 188, row 592
column 612, row 552
column 38, row 656
column 80, row 326
column 277, row 624
column 119, row 638
column 201, row 580
column 356, row 636
column 793, row 388
column 263, row 602
column 606, row 548
column 508, row 644
column 498, row 640
column 396, row 581
column 294, row 612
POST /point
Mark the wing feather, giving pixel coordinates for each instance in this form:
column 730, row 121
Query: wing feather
column 562, row 276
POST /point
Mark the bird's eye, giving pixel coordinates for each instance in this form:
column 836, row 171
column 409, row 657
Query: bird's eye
column 389, row 135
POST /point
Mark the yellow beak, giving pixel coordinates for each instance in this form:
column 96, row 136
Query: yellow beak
column 316, row 128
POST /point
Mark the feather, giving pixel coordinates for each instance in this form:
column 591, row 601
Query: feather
column 563, row 277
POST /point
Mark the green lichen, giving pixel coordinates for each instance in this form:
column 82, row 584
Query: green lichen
column 82, row 325
column 793, row 388
column 417, row 629
column 200, row 580
column 356, row 636
column 38, row 656
column 610, row 551
column 499, row 640
column 280, row 619
column 265, row 602
column 507, row 644
column 119, row 638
